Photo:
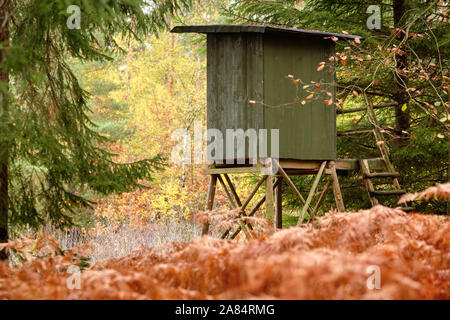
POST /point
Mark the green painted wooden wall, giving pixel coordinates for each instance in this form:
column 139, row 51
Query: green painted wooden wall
column 253, row 66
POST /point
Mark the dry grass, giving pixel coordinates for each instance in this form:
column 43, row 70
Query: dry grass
column 118, row 242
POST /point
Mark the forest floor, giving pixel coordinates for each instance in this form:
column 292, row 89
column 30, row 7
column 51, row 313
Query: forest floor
column 333, row 257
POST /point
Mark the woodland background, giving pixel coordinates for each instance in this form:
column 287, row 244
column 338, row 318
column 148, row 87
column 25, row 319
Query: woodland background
column 87, row 117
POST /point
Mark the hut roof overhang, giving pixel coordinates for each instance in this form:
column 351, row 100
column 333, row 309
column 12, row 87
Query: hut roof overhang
column 228, row 28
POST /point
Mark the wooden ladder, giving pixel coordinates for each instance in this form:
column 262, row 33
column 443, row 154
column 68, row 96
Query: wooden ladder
column 389, row 173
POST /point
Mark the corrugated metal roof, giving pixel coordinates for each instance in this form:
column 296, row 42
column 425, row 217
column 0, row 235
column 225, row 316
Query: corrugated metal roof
column 228, row 28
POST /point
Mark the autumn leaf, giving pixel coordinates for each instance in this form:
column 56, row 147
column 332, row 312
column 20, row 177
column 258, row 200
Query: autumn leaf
column 251, row 101
column 320, row 68
column 355, row 93
column 310, row 96
column 404, row 107
column 335, row 39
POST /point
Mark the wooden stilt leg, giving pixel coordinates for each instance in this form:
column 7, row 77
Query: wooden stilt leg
column 322, row 197
column 337, row 188
column 256, row 208
column 247, row 201
column 278, row 221
column 233, row 190
column 292, row 186
column 230, row 199
column 269, row 198
column 210, row 200
column 229, row 196
column 311, row 193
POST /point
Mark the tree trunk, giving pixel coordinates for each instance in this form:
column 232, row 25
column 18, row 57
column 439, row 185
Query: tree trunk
column 402, row 117
column 448, row 155
column 4, row 154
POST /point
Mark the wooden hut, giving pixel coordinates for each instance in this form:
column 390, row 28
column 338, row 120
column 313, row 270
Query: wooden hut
column 250, row 71
column 252, row 83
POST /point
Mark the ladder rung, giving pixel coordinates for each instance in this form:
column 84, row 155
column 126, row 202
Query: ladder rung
column 387, row 192
column 382, row 175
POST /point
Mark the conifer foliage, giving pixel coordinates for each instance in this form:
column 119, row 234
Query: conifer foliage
column 50, row 152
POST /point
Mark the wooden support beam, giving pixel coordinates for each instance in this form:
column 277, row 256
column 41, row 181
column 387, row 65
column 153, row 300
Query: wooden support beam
column 278, row 219
column 233, row 190
column 247, row 201
column 292, row 186
column 255, row 189
column 232, row 170
column 336, row 188
column 321, row 197
column 269, row 197
column 353, row 164
column 352, row 132
column 230, row 198
column 381, row 106
column 311, row 193
column 365, row 171
column 210, row 200
column 254, row 210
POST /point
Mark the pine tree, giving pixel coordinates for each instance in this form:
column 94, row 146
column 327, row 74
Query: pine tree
column 50, row 151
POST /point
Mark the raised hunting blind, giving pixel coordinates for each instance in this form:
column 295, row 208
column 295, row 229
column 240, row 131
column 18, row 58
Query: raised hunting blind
column 253, row 74
column 248, row 69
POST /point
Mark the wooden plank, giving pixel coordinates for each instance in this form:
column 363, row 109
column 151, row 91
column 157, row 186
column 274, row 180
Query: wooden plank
column 232, row 170
column 234, row 76
column 337, row 189
column 352, row 132
column 210, row 200
column 353, row 164
column 300, row 164
column 365, row 170
column 311, row 193
column 308, row 131
column 278, row 219
column 374, row 175
column 388, row 192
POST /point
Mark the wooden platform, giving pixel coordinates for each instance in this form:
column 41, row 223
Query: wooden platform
column 273, row 180
column 295, row 167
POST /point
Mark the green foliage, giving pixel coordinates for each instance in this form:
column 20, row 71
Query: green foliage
column 422, row 160
column 54, row 151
